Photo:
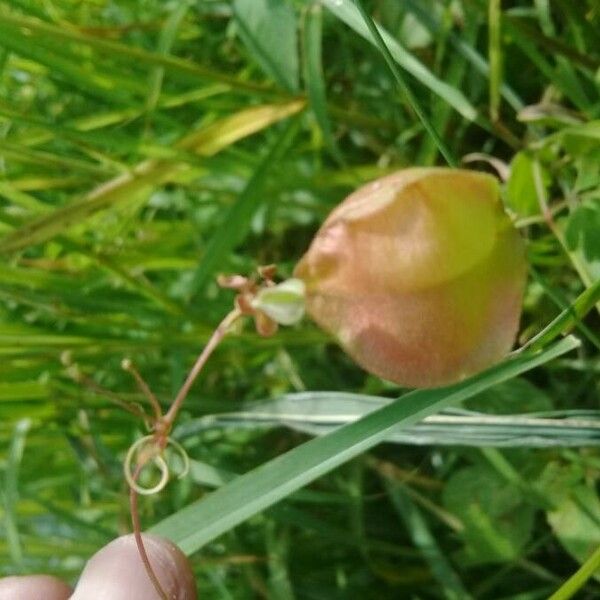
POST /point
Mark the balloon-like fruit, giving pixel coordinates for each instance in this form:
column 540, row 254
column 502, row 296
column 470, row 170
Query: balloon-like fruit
column 419, row 275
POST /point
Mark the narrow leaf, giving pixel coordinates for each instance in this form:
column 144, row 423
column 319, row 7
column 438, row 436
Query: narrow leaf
column 268, row 28
column 495, row 57
column 349, row 14
column 147, row 175
column 236, row 221
column 314, row 77
column 203, row 521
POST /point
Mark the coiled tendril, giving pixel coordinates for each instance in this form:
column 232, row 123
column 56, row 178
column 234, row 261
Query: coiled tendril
column 151, row 448
column 145, row 450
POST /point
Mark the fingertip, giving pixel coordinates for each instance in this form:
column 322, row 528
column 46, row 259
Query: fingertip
column 34, row 587
column 116, row 572
column 174, row 561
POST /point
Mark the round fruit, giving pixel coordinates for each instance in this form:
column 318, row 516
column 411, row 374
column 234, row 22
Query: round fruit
column 419, row 275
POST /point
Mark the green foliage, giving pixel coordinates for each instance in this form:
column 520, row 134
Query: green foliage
column 269, row 30
column 576, row 522
column 497, row 521
column 582, row 230
column 521, row 192
column 283, row 475
column 146, row 147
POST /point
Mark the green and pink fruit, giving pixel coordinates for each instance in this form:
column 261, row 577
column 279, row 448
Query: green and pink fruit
column 419, row 275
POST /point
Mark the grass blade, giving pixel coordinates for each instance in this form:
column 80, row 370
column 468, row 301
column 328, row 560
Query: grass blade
column 147, row 175
column 269, row 31
column 68, row 69
column 567, row 86
column 11, row 493
column 424, row 540
column 313, row 75
column 406, row 91
column 165, row 42
column 495, row 57
column 236, row 222
column 176, row 67
column 567, row 319
column 578, row 579
column 349, row 14
column 554, row 45
column 319, row 413
column 476, row 60
column 273, row 481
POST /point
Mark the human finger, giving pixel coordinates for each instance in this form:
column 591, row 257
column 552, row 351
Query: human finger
column 34, row 587
column 116, row 572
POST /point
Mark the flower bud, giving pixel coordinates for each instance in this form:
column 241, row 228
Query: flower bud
column 419, row 275
column 283, row 303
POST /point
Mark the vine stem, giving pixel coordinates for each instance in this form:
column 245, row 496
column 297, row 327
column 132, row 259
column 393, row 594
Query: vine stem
column 137, row 533
column 218, row 334
column 162, row 427
column 570, row 587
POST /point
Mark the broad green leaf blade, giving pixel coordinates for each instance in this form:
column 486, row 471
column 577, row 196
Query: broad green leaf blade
column 521, row 193
column 497, row 519
column 203, row 521
column 348, row 13
column 575, row 520
column 268, row 28
column 319, row 413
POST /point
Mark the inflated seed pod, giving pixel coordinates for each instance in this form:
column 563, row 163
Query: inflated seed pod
column 419, row 275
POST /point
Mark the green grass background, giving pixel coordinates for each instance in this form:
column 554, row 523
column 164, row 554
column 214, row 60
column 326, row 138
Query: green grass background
column 146, row 146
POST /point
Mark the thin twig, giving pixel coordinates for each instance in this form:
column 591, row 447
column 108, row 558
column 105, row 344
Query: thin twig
column 137, row 533
column 143, row 386
column 162, row 426
column 134, row 409
column 218, row 334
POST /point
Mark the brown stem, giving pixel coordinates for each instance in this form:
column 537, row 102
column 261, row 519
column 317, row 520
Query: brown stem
column 137, row 533
column 143, row 386
column 162, row 427
column 213, row 342
column 134, row 409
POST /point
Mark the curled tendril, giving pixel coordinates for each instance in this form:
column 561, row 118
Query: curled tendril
column 184, row 457
column 147, row 450
column 152, row 453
